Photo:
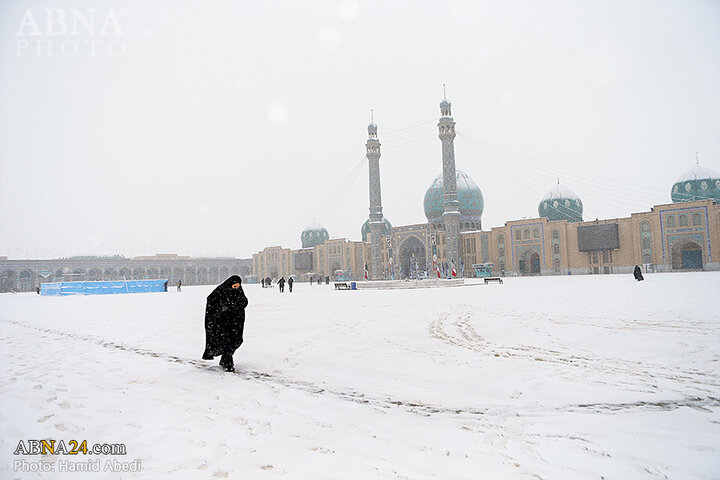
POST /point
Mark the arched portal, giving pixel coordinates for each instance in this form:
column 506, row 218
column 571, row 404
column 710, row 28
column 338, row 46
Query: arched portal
column 26, row 280
column 202, row 276
column 8, row 281
column 178, row 275
column 213, row 277
column 687, row 255
column 412, row 257
column 529, row 262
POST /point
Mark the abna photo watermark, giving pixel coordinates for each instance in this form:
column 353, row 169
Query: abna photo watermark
column 52, row 32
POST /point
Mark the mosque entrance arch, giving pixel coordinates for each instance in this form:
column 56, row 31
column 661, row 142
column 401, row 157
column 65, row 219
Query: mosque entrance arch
column 8, row 281
column 687, row 255
column 529, row 263
column 412, row 257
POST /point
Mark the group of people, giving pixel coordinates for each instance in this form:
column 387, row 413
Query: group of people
column 266, row 282
column 281, row 284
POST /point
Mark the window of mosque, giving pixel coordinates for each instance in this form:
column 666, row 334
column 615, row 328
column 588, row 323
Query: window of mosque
column 696, row 219
column 670, row 221
column 594, row 257
column 556, row 265
column 645, row 227
column 605, row 256
column 555, row 234
column 501, row 252
column 683, row 220
column 501, row 239
column 443, row 240
column 518, row 235
column 556, row 248
column 526, row 233
column 646, row 243
column 536, row 233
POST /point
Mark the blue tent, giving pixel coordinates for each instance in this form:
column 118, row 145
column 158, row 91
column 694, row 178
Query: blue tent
column 103, row 288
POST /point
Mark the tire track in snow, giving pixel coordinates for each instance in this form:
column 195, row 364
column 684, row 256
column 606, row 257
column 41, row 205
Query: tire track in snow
column 469, row 339
column 418, row 408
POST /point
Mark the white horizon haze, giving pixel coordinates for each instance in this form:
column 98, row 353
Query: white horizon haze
column 218, row 128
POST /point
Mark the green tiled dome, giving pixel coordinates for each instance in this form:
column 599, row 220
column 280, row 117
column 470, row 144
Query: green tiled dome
column 314, row 235
column 469, row 195
column 365, row 230
column 698, row 183
column 561, row 203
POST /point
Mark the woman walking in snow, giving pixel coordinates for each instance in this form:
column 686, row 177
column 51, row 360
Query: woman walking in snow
column 225, row 321
column 637, row 273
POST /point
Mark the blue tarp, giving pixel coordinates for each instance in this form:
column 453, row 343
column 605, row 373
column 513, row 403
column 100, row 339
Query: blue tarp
column 102, row 288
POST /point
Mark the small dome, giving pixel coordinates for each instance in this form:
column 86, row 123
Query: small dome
column 365, row 230
column 445, row 103
column 313, row 235
column 698, row 183
column 372, row 128
column 470, row 198
column 561, row 203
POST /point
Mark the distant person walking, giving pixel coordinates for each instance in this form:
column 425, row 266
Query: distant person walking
column 281, row 284
column 268, row 282
column 310, row 279
column 179, row 285
column 225, row 322
column 290, row 283
column 637, row 273
column 262, row 282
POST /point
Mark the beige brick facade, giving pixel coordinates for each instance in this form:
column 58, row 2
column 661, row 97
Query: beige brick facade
column 676, row 236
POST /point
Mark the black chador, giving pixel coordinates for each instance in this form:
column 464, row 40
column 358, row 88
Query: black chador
column 225, row 321
column 637, row 273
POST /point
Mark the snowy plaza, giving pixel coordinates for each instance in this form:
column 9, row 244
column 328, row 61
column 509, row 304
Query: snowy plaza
column 556, row 377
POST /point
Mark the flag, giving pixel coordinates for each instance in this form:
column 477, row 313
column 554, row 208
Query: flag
column 392, row 270
column 366, row 271
column 462, row 267
column 452, row 267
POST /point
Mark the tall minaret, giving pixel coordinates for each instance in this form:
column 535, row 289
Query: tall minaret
column 376, row 215
column 451, row 213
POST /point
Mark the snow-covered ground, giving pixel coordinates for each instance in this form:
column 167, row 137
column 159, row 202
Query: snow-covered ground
column 552, row 378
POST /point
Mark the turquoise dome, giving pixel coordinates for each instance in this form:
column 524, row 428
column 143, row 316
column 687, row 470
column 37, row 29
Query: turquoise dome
column 561, row 203
column 314, row 235
column 365, row 230
column 470, row 198
column 698, row 183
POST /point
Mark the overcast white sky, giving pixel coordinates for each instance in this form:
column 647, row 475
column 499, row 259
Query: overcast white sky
column 218, row 128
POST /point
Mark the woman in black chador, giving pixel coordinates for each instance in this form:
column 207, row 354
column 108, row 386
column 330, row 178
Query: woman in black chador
column 224, row 321
column 637, row 273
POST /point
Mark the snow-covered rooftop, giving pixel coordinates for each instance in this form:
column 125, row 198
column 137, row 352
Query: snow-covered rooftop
column 314, row 226
column 698, row 172
column 560, row 191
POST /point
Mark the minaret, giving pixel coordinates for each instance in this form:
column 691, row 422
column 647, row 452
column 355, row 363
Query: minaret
column 376, row 216
column 451, row 212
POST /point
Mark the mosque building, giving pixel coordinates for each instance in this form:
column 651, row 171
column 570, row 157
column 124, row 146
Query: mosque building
column 682, row 235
